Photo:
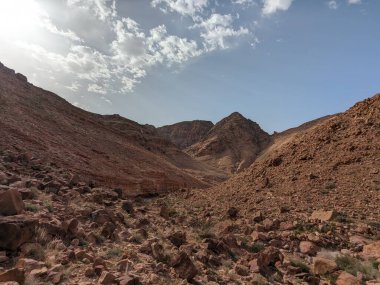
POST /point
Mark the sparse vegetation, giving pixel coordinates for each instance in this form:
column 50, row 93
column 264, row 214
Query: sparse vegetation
column 257, row 247
column 114, row 252
column 353, row 265
column 300, row 264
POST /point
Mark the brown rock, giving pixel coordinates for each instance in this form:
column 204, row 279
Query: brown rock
column 347, row 279
column 108, row 229
column 323, row 265
column 232, row 212
column 14, row 274
column 11, row 202
column 372, row 250
column 128, row 207
column 308, row 247
column 106, row 278
column 242, row 270
column 129, row 280
column 322, row 215
column 267, row 259
column 16, row 230
column 177, row 238
column 124, row 265
column 184, row 267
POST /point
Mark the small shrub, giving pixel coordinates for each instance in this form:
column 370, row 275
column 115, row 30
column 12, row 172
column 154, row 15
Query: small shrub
column 300, row 264
column 114, row 252
column 257, row 247
column 353, row 266
column 32, row 208
column 47, row 204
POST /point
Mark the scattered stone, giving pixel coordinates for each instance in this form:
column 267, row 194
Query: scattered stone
column 106, row 278
column 184, row 267
column 322, row 215
column 308, row 247
column 232, row 213
column 16, row 230
column 347, row 279
column 128, row 207
column 323, row 265
column 14, row 274
column 11, row 202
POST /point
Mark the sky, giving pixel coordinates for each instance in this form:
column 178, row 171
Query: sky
column 278, row 62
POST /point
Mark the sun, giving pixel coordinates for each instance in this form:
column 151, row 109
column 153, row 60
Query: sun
column 19, row 18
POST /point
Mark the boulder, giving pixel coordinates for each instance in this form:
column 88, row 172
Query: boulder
column 128, row 207
column 14, row 274
column 323, row 265
column 347, row 279
column 184, row 267
column 267, row 259
column 177, row 238
column 106, row 278
column 372, row 250
column 11, row 202
column 322, row 215
column 308, row 247
column 16, row 230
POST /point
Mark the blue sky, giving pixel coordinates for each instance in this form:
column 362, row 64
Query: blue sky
column 278, row 62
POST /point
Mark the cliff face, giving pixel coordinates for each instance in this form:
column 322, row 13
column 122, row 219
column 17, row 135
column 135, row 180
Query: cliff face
column 184, row 134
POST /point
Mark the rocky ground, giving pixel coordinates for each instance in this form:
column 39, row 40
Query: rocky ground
column 56, row 229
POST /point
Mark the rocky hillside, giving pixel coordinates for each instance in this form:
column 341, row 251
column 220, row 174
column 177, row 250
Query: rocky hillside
column 184, row 134
column 333, row 165
column 109, row 149
column 232, row 144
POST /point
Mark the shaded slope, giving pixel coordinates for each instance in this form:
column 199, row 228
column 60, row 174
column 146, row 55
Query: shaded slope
column 184, row 134
column 110, row 149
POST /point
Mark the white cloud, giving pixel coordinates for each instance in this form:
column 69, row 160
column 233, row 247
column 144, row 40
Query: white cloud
column 217, row 30
column 353, row 2
column 272, row 6
column 103, row 9
column 47, row 24
column 95, row 88
column 333, row 5
column 245, row 3
column 183, row 7
column 102, row 52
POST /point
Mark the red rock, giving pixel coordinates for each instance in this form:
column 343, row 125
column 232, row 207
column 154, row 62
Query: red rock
column 308, row 247
column 184, row 267
column 11, row 202
column 267, row 258
column 372, row 250
column 323, row 265
column 106, row 278
column 322, row 215
column 16, row 230
column 15, row 274
column 347, row 279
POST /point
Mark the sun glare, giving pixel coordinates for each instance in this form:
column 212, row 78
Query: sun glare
column 19, row 18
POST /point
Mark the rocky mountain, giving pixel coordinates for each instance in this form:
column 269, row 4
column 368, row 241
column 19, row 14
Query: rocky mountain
column 109, row 149
column 184, row 134
column 305, row 212
column 232, row 144
column 334, row 164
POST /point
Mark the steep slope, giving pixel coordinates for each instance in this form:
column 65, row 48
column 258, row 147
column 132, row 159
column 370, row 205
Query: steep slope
column 184, row 134
column 232, row 144
column 109, row 149
column 333, row 165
